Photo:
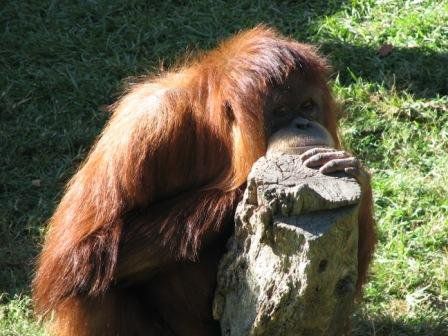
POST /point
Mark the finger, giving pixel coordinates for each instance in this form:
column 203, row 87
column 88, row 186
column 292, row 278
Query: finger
column 339, row 165
column 359, row 174
column 313, row 151
column 322, row 158
column 352, row 171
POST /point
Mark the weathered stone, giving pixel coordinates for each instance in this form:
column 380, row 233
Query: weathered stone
column 292, row 264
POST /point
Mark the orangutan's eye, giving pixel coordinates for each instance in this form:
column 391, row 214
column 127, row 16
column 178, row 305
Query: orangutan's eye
column 307, row 105
column 281, row 111
column 309, row 109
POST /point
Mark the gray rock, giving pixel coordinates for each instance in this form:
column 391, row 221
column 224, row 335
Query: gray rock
column 291, row 266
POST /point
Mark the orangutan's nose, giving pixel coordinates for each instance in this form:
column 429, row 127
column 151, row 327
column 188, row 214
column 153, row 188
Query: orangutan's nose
column 301, row 123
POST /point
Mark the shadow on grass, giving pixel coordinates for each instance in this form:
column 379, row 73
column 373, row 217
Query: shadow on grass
column 75, row 65
column 386, row 326
column 421, row 72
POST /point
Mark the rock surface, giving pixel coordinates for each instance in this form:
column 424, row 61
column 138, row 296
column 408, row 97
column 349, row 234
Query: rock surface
column 291, row 266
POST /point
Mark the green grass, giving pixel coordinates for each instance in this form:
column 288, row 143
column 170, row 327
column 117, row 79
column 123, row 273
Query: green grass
column 62, row 61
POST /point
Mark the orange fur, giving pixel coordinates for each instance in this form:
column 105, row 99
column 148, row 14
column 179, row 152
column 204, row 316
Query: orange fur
column 153, row 203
